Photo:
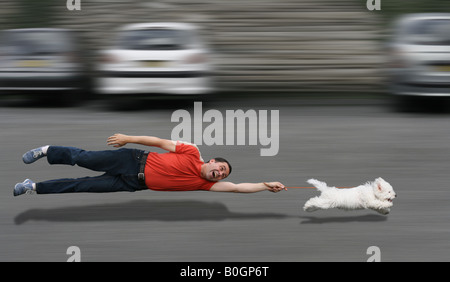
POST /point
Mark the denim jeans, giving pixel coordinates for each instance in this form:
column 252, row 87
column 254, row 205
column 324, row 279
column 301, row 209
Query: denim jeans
column 120, row 167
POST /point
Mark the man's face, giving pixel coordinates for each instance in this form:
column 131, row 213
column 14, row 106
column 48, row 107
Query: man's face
column 215, row 171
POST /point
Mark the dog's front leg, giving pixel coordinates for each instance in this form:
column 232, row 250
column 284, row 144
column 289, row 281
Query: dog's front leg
column 383, row 211
column 382, row 207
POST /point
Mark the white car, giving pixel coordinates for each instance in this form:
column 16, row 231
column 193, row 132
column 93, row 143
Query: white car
column 420, row 56
column 155, row 58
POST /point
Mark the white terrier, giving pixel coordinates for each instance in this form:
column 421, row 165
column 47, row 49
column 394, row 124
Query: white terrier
column 377, row 195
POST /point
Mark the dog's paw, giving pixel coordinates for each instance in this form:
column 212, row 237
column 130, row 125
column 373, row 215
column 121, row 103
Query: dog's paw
column 384, row 211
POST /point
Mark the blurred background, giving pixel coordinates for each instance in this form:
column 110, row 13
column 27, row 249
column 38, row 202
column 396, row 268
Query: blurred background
column 329, row 67
column 287, row 46
column 296, row 46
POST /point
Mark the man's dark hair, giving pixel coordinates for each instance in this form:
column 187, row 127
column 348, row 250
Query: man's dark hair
column 222, row 160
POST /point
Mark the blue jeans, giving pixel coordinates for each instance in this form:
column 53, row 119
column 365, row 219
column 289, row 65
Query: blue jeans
column 120, row 167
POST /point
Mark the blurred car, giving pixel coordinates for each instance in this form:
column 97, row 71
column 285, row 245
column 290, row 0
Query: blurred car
column 41, row 61
column 155, row 58
column 419, row 56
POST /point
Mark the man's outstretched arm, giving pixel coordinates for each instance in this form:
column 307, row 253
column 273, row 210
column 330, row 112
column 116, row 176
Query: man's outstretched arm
column 248, row 187
column 119, row 140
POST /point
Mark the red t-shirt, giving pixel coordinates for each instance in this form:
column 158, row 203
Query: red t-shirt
column 176, row 171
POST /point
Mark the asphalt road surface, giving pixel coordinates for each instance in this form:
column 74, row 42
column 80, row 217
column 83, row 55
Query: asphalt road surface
column 344, row 145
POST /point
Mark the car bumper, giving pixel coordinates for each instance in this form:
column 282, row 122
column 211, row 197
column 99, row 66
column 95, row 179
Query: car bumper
column 50, row 81
column 176, row 83
column 420, row 89
column 419, row 81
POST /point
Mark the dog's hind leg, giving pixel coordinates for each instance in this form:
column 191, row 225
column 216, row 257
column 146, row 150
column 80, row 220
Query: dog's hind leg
column 312, row 204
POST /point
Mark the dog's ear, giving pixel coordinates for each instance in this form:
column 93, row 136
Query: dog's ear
column 378, row 182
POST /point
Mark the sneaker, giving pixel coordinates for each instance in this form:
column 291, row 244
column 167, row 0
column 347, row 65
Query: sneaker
column 24, row 187
column 33, row 155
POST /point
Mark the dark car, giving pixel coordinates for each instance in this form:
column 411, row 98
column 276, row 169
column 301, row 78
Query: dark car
column 41, row 62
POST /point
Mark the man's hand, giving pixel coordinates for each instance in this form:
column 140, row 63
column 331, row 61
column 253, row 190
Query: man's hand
column 275, row 186
column 118, row 140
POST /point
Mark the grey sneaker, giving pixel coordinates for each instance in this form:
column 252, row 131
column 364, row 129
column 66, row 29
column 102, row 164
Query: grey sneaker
column 24, row 187
column 33, row 155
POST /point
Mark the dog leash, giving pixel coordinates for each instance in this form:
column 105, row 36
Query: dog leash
column 312, row 187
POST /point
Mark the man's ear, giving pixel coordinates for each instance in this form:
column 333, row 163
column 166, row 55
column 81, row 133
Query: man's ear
column 212, row 161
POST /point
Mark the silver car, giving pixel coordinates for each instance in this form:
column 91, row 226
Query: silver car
column 419, row 56
column 41, row 61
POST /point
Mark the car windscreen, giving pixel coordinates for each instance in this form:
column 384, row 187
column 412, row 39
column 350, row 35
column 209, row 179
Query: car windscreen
column 37, row 43
column 428, row 32
column 155, row 39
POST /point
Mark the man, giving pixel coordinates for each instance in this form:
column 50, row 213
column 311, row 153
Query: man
column 180, row 169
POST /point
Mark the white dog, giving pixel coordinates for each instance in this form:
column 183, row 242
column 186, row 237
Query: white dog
column 377, row 195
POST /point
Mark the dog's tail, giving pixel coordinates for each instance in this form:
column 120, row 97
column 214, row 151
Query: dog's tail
column 321, row 186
